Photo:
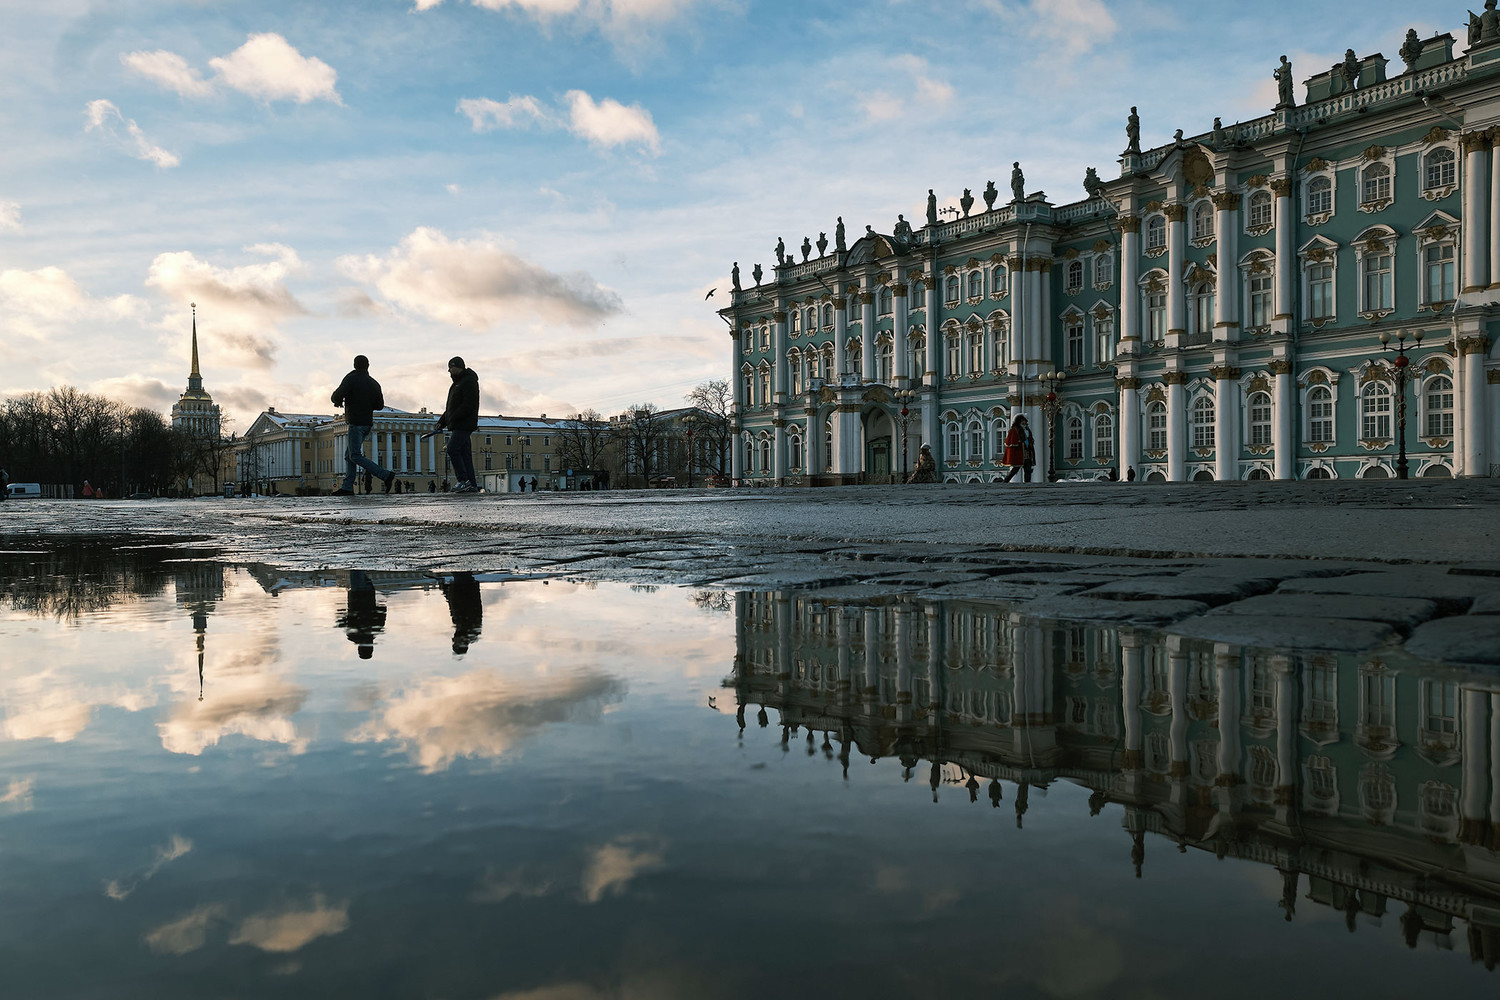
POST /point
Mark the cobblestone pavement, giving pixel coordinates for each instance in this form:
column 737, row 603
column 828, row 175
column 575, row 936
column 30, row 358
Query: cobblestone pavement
column 1342, row 566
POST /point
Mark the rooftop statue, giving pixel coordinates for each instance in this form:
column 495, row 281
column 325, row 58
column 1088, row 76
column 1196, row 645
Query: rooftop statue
column 1177, row 138
column 756, row 274
column 1285, row 95
column 1489, row 24
column 1133, row 129
column 806, row 249
column 1092, row 184
column 990, row 194
column 902, row 232
column 838, row 237
column 780, row 251
column 966, row 202
column 931, row 208
column 1411, row 51
column 1017, row 182
column 822, row 244
column 734, row 276
column 1349, row 68
column 1218, row 139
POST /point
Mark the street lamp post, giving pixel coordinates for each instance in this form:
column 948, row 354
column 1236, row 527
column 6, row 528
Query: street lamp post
column 1051, row 403
column 905, row 398
column 1401, row 367
column 690, row 421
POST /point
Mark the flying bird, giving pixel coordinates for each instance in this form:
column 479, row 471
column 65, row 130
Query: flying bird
column 710, row 294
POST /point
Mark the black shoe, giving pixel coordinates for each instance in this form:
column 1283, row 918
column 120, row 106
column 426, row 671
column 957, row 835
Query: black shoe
column 388, row 481
column 341, row 492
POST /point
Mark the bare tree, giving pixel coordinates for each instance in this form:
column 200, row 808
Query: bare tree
column 639, row 432
column 713, row 400
column 585, row 440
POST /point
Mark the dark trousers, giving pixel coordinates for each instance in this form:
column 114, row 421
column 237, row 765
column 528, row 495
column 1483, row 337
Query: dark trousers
column 461, row 454
column 1019, row 468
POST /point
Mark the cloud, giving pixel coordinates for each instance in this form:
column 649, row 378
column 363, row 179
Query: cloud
column 269, row 68
column 18, row 795
column 104, row 117
column 488, row 115
column 10, row 216
column 121, row 888
column 627, row 23
column 477, row 283
column 1070, row 27
column 138, row 390
column 482, row 714
column 610, row 123
column 251, row 704
column 239, row 307
column 186, row 934
column 290, row 929
column 613, row 867
column 926, row 92
column 35, row 300
column 169, row 70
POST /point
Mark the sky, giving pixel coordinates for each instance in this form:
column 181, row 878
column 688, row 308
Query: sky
column 548, row 188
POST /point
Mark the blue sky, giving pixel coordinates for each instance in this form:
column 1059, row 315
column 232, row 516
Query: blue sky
column 547, row 187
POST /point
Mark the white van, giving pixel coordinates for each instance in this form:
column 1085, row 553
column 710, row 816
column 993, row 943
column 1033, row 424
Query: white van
column 24, row 491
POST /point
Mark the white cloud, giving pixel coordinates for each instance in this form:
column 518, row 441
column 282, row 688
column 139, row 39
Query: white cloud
column 10, row 215
column 1070, row 27
column 121, row 888
column 610, row 123
column 104, row 117
column 488, row 115
column 926, row 93
column 18, row 795
column 239, row 307
column 256, row 705
column 49, row 295
column 169, row 70
column 137, row 390
column 185, row 934
column 625, row 22
column 292, row 928
column 477, row 283
column 269, row 68
column 614, row 866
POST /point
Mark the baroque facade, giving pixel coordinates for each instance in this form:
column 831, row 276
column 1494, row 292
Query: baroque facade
column 1216, row 311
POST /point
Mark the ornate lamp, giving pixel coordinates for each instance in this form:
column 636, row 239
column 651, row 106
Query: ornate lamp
column 1401, row 369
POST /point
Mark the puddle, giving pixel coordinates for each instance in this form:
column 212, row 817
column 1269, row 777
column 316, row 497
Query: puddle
column 221, row 779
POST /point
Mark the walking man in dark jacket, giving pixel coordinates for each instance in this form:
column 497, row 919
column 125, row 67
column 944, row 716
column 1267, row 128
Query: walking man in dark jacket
column 360, row 396
column 461, row 418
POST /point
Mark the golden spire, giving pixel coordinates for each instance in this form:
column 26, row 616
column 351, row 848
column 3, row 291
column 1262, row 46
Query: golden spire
column 195, row 377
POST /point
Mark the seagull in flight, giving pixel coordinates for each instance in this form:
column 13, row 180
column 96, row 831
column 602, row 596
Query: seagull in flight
column 710, row 294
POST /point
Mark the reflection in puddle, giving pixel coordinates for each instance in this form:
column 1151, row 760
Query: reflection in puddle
column 357, row 782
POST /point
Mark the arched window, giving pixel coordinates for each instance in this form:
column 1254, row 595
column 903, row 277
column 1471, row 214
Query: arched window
column 1073, row 342
column 765, row 453
column 975, row 341
column 1439, row 170
column 955, row 443
column 918, row 364
column 765, row 384
column 1203, row 307
column 794, row 366
column 1260, row 418
column 976, row 284
column 828, row 371
column 1375, row 185
column 976, row 441
column 1317, row 472
column 813, row 362
column 1320, row 414
column 1203, row 221
column 997, row 281
column 827, row 315
column 1375, row 412
column 1203, row 422
column 999, row 432
column 1438, row 399
column 950, row 291
column 1075, row 277
column 1156, row 425
column 828, row 445
column 794, row 447
column 1075, row 439
column 1260, row 209
column 748, row 389
column 1156, row 232
column 796, row 322
column 854, row 358
column 1262, row 286
column 1000, row 336
column 884, row 354
column 765, row 337
column 1320, row 196
column 955, row 347
column 1104, row 270
column 887, row 301
column 1256, row 475
column 1104, row 437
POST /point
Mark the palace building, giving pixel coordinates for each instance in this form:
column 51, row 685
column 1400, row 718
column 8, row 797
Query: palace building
column 1308, row 295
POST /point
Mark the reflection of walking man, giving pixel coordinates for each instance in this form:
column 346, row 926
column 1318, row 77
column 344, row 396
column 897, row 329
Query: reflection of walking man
column 461, row 418
column 364, row 616
column 466, row 607
column 360, row 396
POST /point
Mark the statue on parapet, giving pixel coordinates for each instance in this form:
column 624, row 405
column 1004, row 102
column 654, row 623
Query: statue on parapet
column 806, row 249
column 902, row 232
column 822, row 244
column 1484, row 28
column 756, row 274
column 1017, row 182
column 1411, row 49
column 1218, row 139
column 1092, row 184
column 780, row 251
column 1349, row 68
column 1133, row 130
column 931, row 208
column 838, row 237
column 990, row 194
column 1286, row 96
column 734, row 276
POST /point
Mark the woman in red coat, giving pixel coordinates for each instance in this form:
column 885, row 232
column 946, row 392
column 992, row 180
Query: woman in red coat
column 1020, row 449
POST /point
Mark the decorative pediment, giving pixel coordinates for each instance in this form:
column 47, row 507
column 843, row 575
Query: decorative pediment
column 1072, row 253
column 1316, row 165
column 1101, row 246
column 971, row 263
column 1374, row 152
column 1436, row 227
column 1101, row 312
column 1196, row 169
column 1437, row 134
column 1319, row 248
column 1259, row 382
column 1156, row 394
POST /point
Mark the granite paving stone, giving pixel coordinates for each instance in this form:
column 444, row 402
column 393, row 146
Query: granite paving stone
column 1289, row 632
column 1402, row 612
column 1468, row 639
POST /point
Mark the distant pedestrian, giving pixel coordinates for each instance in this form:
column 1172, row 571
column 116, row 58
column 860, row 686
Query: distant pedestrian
column 4, row 485
column 369, row 483
column 533, row 484
column 88, row 491
column 1020, row 449
column 461, row 418
column 523, row 484
column 432, row 486
column 360, row 396
column 926, row 470
column 445, row 484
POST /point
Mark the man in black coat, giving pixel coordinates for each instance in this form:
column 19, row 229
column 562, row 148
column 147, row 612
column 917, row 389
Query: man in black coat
column 360, row 396
column 461, row 418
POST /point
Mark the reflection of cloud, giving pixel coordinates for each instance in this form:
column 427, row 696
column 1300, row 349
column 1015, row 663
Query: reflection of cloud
column 561, row 991
column 185, row 934
column 54, row 716
column 497, row 887
column 290, row 929
column 18, row 796
column 169, row 852
column 256, row 705
column 483, row 713
column 613, row 866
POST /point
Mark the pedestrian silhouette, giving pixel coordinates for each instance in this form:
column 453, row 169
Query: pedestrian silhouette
column 466, row 608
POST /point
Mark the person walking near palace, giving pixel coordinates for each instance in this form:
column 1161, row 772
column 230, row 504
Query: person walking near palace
column 360, row 396
column 1020, row 449
column 461, row 418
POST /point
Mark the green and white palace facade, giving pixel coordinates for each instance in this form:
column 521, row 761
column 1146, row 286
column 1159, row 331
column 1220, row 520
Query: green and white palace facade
column 1216, row 311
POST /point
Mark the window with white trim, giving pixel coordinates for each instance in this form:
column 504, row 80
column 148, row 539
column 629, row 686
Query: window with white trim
column 765, row 454
column 747, row 391
column 1000, row 337
column 1074, row 335
column 765, row 384
column 1320, row 196
column 976, row 441
column 1375, row 184
column 1320, row 291
column 950, row 291
column 885, row 302
column 1075, row 439
column 1074, row 283
column 828, row 445
column 1260, row 210
column 918, row 361
column 884, row 358
column 955, row 344
column 1203, row 221
column 1262, row 290
column 1375, row 411
column 1156, row 317
column 1156, row 425
column 1203, row 422
column 997, row 281
column 796, row 318
column 1320, row 414
column 1260, row 418
column 1104, row 338
column 1104, row 270
column 1437, row 406
column 1202, row 300
column 1440, row 709
column 976, row 284
column 1439, row 169
column 794, row 446
column 955, row 440
column 794, row 365
column 1104, row 437
column 828, row 315
column 1438, row 276
column 1377, row 280
column 1156, row 232
column 975, row 341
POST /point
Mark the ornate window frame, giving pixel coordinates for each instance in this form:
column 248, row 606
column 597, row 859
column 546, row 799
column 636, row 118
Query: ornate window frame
column 999, row 281
column 1370, row 245
column 1317, row 170
column 1316, row 252
column 1104, row 333
column 1073, row 270
column 1435, row 366
column 1312, row 378
column 1257, row 265
column 1152, row 224
column 1257, row 197
column 953, row 349
column 794, row 369
column 1102, row 430
column 1153, row 283
column 1103, row 261
column 1430, row 161
column 1203, row 233
column 1437, row 230
column 1073, row 336
column 997, row 331
column 1377, row 180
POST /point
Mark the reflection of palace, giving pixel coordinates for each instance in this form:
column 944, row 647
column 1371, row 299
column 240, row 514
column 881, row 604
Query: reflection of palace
column 1374, row 779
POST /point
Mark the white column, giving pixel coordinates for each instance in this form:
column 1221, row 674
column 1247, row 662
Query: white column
column 1475, row 461
column 1042, row 325
column 778, row 449
column 1020, row 306
column 840, row 334
column 867, row 335
column 1475, row 706
column 1285, row 412
column 1286, row 730
column 1227, row 670
column 1493, row 218
column 1177, row 680
column 933, row 347
column 1286, row 258
column 1176, row 293
column 1130, row 424
column 930, row 428
column 1226, row 423
column 899, row 352
column 736, row 454
column 778, row 351
column 1226, row 295
column 1130, row 276
column 850, row 446
column 1176, row 427
column 872, row 659
column 1130, row 698
column 1476, row 211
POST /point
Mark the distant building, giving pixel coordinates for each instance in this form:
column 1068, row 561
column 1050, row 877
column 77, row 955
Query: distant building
column 197, row 415
column 1217, row 309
